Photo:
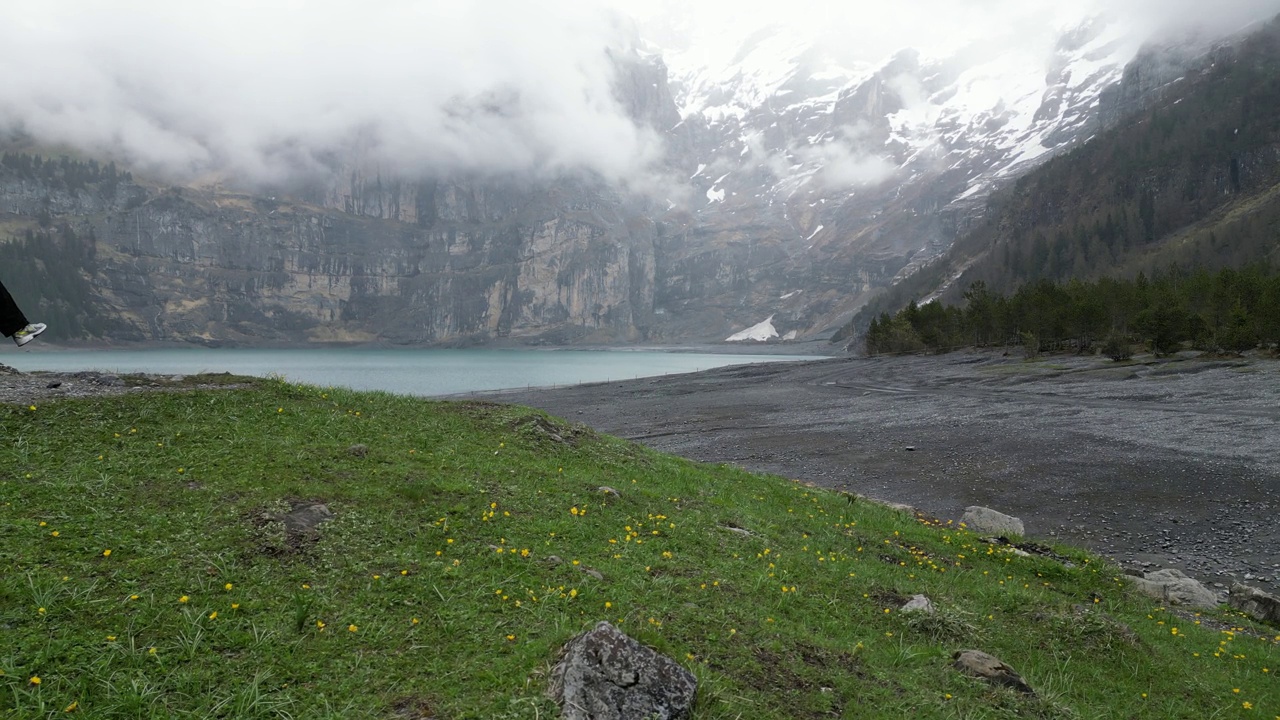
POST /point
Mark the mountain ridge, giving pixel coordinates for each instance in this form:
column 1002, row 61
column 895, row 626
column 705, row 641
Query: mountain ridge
column 775, row 233
column 1190, row 179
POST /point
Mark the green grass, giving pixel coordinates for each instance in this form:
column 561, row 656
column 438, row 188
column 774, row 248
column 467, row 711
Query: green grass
column 430, row 592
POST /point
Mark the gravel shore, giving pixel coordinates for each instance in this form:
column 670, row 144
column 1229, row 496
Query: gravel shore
column 1155, row 463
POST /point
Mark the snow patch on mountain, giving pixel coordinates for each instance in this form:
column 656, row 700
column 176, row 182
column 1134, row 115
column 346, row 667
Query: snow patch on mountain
column 760, row 332
column 819, row 124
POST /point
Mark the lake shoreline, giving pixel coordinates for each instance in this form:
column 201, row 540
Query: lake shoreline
column 407, row 371
column 816, row 348
column 1156, row 463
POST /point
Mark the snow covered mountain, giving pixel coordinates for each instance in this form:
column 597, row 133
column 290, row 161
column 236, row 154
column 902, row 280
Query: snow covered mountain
column 834, row 175
column 811, row 172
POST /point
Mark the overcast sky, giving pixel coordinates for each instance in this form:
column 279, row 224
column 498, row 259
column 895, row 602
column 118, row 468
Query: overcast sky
column 268, row 89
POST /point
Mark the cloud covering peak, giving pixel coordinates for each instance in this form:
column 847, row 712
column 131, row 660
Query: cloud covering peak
column 272, row 90
column 276, row 90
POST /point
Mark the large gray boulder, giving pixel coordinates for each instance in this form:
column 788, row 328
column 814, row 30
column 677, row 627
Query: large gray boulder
column 1255, row 603
column 1175, row 588
column 987, row 521
column 605, row 675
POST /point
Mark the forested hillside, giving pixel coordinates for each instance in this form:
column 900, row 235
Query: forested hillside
column 1192, row 181
column 1227, row 311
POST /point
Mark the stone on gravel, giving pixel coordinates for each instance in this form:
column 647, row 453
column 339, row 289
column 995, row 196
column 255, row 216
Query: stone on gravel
column 605, row 675
column 1174, row 587
column 1255, row 603
column 920, row 604
column 981, row 665
column 985, row 520
column 109, row 381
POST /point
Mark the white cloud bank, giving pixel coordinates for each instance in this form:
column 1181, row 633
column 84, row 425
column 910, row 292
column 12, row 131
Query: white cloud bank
column 272, row 90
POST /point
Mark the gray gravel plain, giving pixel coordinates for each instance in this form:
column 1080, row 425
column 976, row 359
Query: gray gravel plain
column 1155, row 463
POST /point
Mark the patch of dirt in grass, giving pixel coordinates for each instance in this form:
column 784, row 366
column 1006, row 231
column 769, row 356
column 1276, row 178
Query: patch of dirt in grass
column 888, row 598
column 413, row 708
column 539, row 428
column 808, row 671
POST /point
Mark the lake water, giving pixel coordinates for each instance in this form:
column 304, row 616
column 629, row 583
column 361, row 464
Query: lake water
column 403, row 371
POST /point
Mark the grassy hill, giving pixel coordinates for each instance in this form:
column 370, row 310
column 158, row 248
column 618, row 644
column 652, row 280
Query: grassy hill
column 146, row 570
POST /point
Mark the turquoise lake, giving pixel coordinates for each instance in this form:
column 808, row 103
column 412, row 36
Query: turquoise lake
column 403, row 371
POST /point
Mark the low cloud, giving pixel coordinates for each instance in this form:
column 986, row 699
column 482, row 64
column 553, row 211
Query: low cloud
column 270, row 91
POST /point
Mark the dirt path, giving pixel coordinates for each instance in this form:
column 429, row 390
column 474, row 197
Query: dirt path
column 1162, row 463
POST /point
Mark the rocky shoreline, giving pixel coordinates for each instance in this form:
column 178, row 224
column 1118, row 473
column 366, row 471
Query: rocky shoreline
column 1157, row 463
column 18, row 388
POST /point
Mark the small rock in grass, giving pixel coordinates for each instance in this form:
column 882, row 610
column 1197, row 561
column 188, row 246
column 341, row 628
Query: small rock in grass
column 304, row 517
column 1255, row 603
column 605, row 489
column 919, row 603
column 358, row 450
column 987, row 667
column 605, row 675
column 1174, row 587
column 985, row 520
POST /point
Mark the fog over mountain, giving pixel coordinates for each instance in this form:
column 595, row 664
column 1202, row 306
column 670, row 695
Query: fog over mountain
column 272, row 91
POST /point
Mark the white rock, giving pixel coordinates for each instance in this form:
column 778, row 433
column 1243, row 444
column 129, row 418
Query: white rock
column 985, row 520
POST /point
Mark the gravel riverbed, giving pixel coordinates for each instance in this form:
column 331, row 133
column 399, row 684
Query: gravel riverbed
column 1155, row 463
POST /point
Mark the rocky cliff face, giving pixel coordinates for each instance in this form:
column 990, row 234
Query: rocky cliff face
column 489, row 260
